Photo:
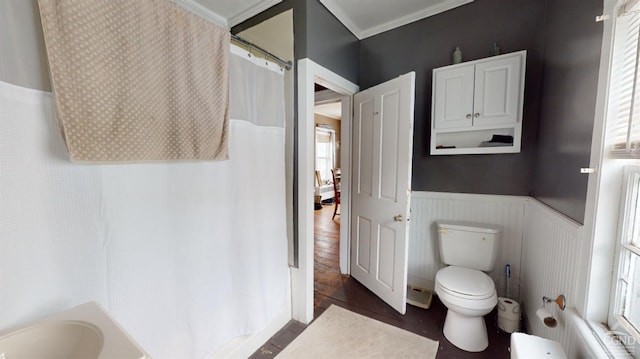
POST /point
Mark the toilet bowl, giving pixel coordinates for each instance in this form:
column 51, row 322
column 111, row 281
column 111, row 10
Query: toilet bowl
column 469, row 295
column 468, row 249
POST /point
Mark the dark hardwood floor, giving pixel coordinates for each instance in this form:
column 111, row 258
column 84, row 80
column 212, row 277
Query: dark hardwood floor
column 331, row 287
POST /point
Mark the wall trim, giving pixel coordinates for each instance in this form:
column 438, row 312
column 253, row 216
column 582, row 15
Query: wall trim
column 469, row 196
column 345, row 19
column 203, row 12
column 310, row 73
column 208, row 14
column 244, row 346
column 593, row 336
column 499, row 198
column 559, row 216
column 413, row 17
column 342, row 16
column 251, row 12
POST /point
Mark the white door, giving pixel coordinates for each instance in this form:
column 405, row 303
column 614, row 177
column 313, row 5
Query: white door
column 496, row 92
column 381, row 176
column 453, row 96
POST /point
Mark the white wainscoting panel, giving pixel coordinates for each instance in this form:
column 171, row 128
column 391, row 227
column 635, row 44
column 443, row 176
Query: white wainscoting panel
column 551, row 255
column 429, row 207
column 542, row 246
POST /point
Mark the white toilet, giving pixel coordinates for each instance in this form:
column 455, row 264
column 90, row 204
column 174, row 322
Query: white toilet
column 468, row 249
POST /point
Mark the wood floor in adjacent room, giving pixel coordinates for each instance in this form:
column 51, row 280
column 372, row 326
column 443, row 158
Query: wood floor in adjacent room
column 331, row 287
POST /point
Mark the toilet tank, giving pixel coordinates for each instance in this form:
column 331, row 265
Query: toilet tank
column 469, row 244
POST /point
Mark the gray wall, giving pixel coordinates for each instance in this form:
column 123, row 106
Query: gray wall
column 318, row 36
column 429, row 43
column 23, row 59
column 573, row 43
column 570, row 38
column 329, row 43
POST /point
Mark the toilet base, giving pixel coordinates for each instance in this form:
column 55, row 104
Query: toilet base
column 466, row 333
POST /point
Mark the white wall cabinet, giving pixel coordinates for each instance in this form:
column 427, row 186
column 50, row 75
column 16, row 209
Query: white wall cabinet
column 477, row 105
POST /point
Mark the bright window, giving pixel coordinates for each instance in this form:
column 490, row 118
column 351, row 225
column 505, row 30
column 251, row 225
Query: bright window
column 626, row 131
column 627, row 303
column 623, row 138
column 325, row 152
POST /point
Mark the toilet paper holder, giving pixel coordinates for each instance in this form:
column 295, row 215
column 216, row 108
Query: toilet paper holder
column 561, row 301
column 545, row 316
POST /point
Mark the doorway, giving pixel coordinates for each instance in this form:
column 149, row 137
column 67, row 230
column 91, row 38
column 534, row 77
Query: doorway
column 327, row 216
column 310, row 73
column 383, row 228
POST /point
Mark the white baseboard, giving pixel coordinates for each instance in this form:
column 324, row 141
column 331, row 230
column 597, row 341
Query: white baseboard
column 420, row 282
column 242, row 347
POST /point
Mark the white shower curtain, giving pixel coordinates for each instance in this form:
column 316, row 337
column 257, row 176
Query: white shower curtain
column 184, row 255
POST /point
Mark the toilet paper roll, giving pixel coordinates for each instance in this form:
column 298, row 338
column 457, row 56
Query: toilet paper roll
column 546, row 318
column 508, row 308
column 508, row 315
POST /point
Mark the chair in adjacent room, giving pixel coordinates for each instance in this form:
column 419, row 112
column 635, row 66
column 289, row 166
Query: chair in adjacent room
column 335, row 173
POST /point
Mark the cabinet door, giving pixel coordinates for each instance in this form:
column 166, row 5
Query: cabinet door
column 497, row 91
column 453, row 97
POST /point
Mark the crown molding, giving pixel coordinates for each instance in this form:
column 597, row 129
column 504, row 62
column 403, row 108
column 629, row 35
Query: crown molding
column 424, row 13
column 346, row 20
column 203, row 12
column 343, row 17
column 251, row 12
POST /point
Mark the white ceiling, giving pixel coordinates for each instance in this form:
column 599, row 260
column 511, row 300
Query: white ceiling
column 363, row 18
column 333, row 110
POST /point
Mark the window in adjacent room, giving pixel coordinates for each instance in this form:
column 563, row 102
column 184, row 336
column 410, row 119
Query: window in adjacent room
column 325, row 152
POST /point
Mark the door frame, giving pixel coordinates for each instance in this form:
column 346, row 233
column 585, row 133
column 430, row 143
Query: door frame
column 302, row 279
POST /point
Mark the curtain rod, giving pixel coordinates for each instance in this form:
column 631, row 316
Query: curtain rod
column 286, row 64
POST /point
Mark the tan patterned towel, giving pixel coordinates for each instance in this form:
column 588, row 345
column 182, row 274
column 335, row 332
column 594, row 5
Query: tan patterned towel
column 137, row 80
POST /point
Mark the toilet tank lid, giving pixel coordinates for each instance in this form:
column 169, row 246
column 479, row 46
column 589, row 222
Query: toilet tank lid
column 530, row 346
column 469, row 226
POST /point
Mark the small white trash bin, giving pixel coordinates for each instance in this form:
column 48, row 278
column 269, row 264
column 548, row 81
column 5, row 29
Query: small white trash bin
column 508, row 315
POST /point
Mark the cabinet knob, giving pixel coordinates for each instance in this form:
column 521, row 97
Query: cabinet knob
column 397, row 218
column 468, row 115
column 476, row 114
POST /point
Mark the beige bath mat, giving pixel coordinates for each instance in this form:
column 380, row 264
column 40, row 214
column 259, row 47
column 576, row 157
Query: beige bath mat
column 339, row 333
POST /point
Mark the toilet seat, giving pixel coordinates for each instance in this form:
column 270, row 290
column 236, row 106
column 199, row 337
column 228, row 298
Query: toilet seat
column 465, row 283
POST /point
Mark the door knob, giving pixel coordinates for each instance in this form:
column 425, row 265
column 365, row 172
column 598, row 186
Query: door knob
column 397, row 218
